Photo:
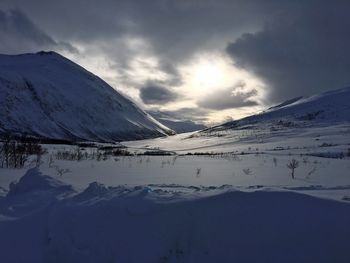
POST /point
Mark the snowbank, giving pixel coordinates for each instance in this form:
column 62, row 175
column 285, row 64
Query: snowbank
column 155, row 224
column 34, row 180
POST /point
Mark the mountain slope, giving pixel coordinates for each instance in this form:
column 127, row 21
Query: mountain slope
column 328, row 108
column 179, row 125
column 47, row 95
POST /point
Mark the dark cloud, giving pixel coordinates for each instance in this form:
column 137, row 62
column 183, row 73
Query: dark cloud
column 19, row 34
column 198, row 115
column 302, row 49
column 157, row 95
column 175, row 78
column 232, row 97
column 171, row 26
column 173, row 30
column 194, row 114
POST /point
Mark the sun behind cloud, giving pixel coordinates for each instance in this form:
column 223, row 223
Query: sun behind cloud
column 208, row 75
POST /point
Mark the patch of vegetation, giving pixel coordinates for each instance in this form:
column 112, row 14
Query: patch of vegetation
column 15, row 153
column 333, row 155
column 158, row 153
column 310, row 116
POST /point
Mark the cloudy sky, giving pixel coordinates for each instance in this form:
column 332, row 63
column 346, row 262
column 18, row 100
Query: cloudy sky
column 205, row 60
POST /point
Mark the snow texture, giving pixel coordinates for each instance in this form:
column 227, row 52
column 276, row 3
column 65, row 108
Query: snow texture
column 155, row 224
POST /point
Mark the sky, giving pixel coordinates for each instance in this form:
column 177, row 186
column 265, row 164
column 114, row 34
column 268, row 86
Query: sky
column 208, row 61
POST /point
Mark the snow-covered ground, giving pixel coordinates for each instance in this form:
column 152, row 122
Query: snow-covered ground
column 44, row 220
column 247, row 162
column 223, row 195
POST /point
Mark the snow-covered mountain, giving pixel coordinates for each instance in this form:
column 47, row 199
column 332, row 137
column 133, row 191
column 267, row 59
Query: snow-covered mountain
column 47, row 95
column 179, row 125
column 327, row 108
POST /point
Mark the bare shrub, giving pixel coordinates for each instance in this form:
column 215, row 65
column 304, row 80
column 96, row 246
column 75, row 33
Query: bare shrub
column 274, row 161
column 61, row 171
column 292, row 165
column 198, row 172
column 247, row 171
column 174, row 159
column 51, row 161
column 15, row 153
column 77, row 154
column 313, row 170
column 120, row 152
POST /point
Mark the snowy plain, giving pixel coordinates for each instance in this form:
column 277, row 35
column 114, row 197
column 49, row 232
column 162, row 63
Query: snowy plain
column 226, row 162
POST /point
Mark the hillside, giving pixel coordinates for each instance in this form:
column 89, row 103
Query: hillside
column 325, row 109
column 46, row 95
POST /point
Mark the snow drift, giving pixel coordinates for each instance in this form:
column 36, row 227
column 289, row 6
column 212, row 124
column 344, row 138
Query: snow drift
column 155, row 224
column 47, row 95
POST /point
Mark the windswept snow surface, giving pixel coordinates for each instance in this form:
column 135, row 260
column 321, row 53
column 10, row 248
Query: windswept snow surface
column 45, row 221
column 47, row 95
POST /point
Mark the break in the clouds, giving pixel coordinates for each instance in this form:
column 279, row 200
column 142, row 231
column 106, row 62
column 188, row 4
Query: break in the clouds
column 279, row 48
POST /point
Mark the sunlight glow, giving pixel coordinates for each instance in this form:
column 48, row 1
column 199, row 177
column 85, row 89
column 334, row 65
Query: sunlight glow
column 207, row 75
column 202, row 75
